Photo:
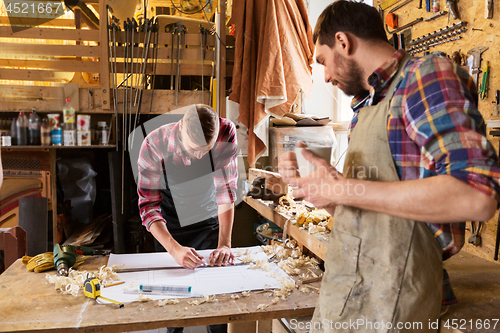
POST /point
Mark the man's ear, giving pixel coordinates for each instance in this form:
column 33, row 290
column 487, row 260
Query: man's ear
column 343, row 43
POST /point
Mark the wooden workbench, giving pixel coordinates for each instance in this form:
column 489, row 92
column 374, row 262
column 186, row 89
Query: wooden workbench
column 29, row 303
column 317, row 244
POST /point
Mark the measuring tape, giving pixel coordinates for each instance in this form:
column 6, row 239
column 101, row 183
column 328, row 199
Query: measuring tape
column 92, row 289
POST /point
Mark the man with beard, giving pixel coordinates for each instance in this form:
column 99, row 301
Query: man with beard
column 418, row 164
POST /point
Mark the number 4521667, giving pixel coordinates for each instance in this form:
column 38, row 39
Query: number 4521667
column 33, row 8
column 473, row 324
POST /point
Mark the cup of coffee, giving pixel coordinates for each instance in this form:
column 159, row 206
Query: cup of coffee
column 306, row 167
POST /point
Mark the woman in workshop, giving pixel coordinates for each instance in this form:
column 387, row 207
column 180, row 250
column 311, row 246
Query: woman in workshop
column 417, row 129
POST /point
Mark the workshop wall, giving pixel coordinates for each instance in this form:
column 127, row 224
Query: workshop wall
column 472, row 11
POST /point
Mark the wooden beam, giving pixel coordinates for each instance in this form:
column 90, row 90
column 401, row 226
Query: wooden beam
column 32, row 75
column 104, row 45
column 51, row 33
column 27, row 21
column 25, row 92
column 14, row 49
column 54, row 65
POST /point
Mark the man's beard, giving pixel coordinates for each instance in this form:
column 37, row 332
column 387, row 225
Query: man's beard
column 352, row 80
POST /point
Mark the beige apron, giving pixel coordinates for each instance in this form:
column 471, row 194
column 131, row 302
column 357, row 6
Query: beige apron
column 379, row 269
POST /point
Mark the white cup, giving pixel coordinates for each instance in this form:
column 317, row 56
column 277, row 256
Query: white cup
column 306, row 167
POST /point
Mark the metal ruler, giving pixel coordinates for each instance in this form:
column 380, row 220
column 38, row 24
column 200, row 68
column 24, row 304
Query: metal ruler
column 160, row 293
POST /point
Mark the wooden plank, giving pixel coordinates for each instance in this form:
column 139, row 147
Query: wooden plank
column 67, row 313
column 13, row 49
column 40, row 105
column 28, row 21
column 315, row 243
column 51, row 33
column 32, row 75
column 30, row 92
column 55, row 65
column 104, row 44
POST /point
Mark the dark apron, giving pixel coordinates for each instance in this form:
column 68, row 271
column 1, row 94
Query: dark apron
column 378, row 268
column 189, row 206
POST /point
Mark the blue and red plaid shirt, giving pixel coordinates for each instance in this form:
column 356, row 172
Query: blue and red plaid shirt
column 437, row 130
column 162, row 144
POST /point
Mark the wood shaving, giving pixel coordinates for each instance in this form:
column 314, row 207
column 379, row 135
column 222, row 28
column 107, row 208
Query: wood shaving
column 235, row 296
column 262, row 264
column 143, row 298
column 73, row 283
column 205, row 299
column 163, row 302
column 304, row 289
column 262, row 306
column 288, row 207
column 276, row 300
column 245, row 293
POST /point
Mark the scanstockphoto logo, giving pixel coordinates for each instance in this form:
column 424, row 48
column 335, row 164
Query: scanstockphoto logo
column 25, row 14
column 192, row 190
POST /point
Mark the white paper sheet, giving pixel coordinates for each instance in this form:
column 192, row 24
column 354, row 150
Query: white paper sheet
column 163, row 259
column 203, row 280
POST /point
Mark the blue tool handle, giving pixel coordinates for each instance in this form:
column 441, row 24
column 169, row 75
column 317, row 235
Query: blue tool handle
column 428, row 5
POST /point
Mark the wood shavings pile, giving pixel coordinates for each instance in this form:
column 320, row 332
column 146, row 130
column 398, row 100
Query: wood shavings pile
column 280, row 251
column 288, row 207
column 163, row 302
column 315, row 222
column 73, row 283
column 143, row 298
column 205, row 299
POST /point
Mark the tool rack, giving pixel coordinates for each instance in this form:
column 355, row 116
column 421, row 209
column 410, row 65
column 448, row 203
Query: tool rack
column 44, row 64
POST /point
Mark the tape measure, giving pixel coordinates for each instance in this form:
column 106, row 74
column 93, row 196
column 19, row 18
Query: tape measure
column 92, row 289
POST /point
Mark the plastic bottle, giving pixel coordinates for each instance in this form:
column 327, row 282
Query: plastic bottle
column 69, row 133
column 22, row 129
column 56, row 136
column 435, row 6
column 102, row 131
column 45, row 132
column 13, row 132
column 34, row 128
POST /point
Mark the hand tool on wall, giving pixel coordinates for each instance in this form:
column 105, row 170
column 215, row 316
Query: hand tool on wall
column 483, row 87
column 181, row 32
column 65, row 256
column 428, row 5
column 170, row 28
column 435, row 15
column 452, row 6
column 476, row 54
column 92, row 289
column 488, row 9
column 133, row 69
column 496, row 108
column 203, row 44
column 391, row 20
column 386, row 4
column 475, row 228
column 412, row 23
